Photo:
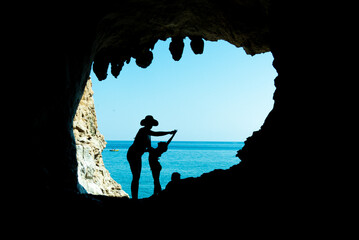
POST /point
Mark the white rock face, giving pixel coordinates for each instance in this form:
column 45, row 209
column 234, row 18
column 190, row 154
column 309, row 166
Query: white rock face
column 93, row 177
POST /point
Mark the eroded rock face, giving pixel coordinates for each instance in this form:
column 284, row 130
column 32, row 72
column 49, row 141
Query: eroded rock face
column 67, row 41
column 93, row 177
column 120, row 37
column 277, row 161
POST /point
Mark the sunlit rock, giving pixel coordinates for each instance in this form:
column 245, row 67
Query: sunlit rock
column 92, row 174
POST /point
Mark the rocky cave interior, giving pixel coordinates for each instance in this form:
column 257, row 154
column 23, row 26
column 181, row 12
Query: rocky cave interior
column 268, row 179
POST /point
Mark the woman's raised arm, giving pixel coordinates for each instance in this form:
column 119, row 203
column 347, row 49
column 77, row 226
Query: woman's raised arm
column 158, row 134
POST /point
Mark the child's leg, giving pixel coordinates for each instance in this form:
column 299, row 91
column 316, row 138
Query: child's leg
column 156, row 180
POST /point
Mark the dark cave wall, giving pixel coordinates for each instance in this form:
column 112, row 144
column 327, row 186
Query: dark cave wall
column 63, row 53
column 288, row 152
column 270, row 156
column 67, row 49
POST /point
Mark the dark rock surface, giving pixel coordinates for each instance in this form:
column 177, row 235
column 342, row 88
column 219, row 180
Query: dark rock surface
column 280, row 170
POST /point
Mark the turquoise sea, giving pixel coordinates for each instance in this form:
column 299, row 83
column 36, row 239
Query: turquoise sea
column 190, row 159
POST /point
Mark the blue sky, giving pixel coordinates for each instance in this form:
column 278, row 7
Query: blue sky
column 221, row 95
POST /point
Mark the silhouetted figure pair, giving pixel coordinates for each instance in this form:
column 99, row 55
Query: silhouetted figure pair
column 142, row 144
column 153, row 158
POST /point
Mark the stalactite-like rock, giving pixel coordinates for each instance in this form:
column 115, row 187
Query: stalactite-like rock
column 280, row 172
column 144, row 58
column 176, row 48
column 100, row 66
column 197, row 45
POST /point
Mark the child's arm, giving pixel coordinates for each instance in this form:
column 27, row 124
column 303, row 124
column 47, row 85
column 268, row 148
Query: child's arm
column 169, row 140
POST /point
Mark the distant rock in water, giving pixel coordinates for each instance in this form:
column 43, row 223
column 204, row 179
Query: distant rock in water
column 93, row 177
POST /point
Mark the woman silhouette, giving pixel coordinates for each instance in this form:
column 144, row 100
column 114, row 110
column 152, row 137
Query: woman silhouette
column 141, row 144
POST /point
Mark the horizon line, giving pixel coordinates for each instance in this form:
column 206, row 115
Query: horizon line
column 183, row 140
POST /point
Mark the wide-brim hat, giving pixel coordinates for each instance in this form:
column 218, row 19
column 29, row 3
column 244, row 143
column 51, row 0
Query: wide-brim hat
column 149, row 120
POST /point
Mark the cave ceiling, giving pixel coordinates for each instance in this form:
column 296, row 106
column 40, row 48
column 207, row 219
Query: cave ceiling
column 130, row 29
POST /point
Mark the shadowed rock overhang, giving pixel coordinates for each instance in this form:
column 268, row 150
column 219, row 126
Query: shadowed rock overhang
column 67, row 40
column 120, row 36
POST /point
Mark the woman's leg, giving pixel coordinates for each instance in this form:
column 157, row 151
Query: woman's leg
column 135, row 165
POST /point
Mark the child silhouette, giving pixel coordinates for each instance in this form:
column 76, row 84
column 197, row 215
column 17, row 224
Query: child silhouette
column 153, row 158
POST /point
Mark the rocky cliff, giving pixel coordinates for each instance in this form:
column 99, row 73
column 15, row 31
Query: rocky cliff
column 291, row 168
column 93, row 177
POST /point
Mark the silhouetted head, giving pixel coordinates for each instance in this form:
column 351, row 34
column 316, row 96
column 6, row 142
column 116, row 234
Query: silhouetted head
column 149, row 121
column 175, row 177
column 162, row 147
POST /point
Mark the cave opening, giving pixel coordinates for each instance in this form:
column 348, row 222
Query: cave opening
column 278, row 165
column 218, row 97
